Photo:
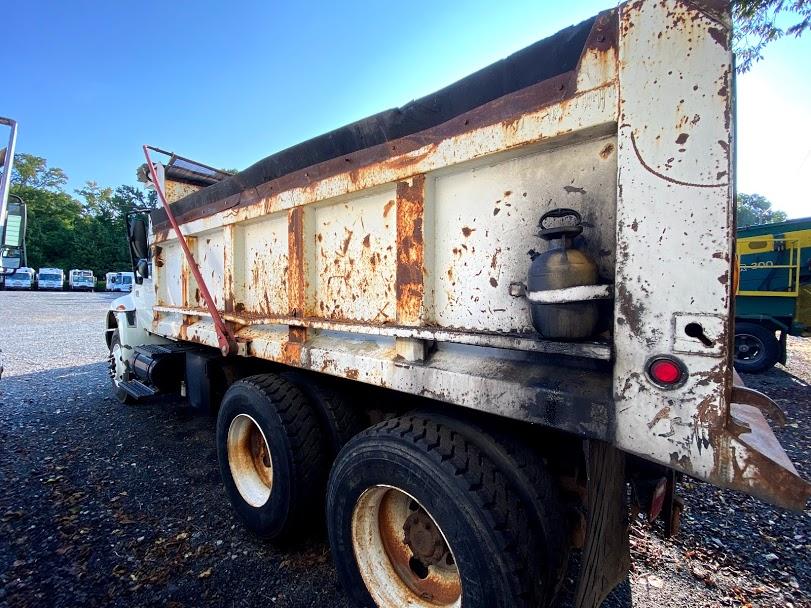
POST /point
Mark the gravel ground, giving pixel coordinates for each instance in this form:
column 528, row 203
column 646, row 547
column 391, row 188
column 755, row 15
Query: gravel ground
column 108, row 505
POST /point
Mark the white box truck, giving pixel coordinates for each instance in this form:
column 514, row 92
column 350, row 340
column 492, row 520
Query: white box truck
column 461, row 328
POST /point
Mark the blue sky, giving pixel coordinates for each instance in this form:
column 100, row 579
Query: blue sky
column 230, row 83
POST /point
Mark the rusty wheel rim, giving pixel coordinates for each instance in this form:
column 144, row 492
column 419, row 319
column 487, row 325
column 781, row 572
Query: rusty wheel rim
column 403, row 556
column 249, row 460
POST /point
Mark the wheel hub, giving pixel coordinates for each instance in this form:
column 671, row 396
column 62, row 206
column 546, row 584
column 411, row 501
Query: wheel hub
column 747, row 347
column 402, row 553
column 424, row 539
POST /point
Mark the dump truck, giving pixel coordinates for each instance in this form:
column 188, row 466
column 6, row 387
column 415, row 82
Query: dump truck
column 456, row 332
column 773, row 300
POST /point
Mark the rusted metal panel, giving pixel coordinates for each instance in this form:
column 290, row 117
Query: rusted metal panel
column 356, row 259
column 174, row 191
column 410, row 205
column 674, row 225
column 486, row 226
column 171, row 282
column 209, row 255
column 265, row 264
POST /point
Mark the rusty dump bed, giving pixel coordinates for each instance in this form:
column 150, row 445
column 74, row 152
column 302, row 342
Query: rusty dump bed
column 393, row 251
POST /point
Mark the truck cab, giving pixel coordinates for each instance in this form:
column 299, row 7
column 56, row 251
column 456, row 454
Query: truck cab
column 50, row 279
column 22, row 278
column 81, row 280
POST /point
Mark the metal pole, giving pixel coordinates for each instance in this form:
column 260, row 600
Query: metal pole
column 224, row 337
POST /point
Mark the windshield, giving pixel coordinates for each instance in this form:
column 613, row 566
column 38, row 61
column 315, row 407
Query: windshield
column 49, row 277
column 126, row 279
column 21, row 276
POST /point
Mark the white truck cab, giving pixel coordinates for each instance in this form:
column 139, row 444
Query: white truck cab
column 119, row 281
column 50, row 278
column 23, row 278
column 110, row 280
column 81, row 280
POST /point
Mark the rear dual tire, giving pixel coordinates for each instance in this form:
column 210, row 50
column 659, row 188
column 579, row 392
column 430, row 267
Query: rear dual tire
column 419, row 513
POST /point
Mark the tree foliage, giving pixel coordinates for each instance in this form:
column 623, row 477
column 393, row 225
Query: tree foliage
column 33, row 171
column 84, row 231
column 756, row 23
column 755, row 209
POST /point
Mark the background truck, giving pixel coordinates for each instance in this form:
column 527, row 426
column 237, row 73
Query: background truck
column 460, row 328
column 774, row 291
column 21, row 278
column 81, row 280
column 50, row 279
column 119, row 281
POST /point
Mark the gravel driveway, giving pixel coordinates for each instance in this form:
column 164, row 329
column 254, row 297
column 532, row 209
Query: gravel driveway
column 108, row 505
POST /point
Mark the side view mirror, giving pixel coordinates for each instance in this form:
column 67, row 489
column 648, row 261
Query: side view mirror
column 138, row 240
column 139, row 247
column 12, row 244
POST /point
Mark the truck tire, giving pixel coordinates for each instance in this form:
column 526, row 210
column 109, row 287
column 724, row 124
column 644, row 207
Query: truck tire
column 339, row 420
column 418, row 515
column 270, row 452
column 117, row 368
column 756, row 348
column 523, row 467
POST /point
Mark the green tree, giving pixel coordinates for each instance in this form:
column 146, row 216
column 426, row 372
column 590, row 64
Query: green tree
column 756, row 23
column 31, row 171
column 86, row 231
column 754, row 209
column 52, row 220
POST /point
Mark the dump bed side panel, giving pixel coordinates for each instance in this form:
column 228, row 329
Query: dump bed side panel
column 393, row 264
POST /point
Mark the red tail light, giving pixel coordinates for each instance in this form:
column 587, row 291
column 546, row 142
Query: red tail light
column 667, row 372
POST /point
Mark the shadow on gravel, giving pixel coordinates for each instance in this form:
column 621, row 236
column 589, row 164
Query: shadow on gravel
column 112, row 505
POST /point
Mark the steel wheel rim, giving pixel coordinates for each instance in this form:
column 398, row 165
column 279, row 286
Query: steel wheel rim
column 117, row 365
column 250, row 460
column 402, row 554
column 748, row 347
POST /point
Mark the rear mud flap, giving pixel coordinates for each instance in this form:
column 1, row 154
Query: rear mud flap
column 749, row 456
column 606, row 553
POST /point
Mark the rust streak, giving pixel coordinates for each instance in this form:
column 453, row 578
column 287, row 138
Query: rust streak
column 410, row 250
column 296, row 270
